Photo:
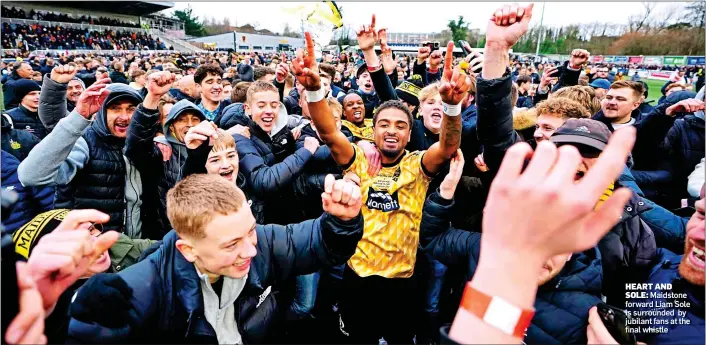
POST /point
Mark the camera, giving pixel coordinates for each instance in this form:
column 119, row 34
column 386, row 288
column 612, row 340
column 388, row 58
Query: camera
column 431, row 45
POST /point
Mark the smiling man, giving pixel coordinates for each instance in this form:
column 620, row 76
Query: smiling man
column 212, row 279
column 83, row 157
column 140, row 148
column 208, row 85
column 354, row 117
column 620, row 106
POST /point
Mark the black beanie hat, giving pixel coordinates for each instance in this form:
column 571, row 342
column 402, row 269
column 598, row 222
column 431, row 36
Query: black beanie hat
column 409, row 89
column 22, row 88
column 28, row 235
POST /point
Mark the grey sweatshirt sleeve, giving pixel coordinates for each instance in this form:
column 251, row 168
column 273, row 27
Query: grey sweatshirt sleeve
column 57, row 158
column 52, row 102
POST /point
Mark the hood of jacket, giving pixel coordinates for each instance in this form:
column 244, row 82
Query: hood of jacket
column 233, row 114
column 177, row 110
column 583, row 272
column 280, row 123
column 6, row 126
column 117, row 92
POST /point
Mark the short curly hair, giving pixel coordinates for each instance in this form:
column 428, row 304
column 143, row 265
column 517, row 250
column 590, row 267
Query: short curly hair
column 562, row 107
column 393, row 104
column 584, row 95
column 205, row 70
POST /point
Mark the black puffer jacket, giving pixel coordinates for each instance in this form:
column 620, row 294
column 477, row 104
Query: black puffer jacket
column 270, row 165
column 26, row 120
column 163, row 292
column 684, row 149
column 627, row 251
column 141, row 150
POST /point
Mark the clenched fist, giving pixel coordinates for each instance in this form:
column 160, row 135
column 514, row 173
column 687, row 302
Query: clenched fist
column 508, row 24
column 63, row 74
column 341, row 198
column 159, row 83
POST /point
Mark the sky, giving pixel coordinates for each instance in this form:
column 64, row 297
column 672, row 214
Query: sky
column 413, row 17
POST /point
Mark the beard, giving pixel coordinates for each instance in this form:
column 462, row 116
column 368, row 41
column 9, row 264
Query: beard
column 687, row 270
column 391, row 153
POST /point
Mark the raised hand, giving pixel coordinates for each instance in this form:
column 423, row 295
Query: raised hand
column 92, row 98
column 548, row 76
column 159, row 83
column 311, row 144
column 423, row 54
column 282, row 70
column 559, row 216
column 508, row 24
column 435, row 60
column 479, row 161
column 63, row 74
column 373, row 156
column 304, row 67
column 474, row 62
column 341, row 198
column 448, row 186
column 63, row 256
column 388, row 63
column 165, row 149
column 454, row 83
column 578, row 58
column 367, row 36
column 198, row 134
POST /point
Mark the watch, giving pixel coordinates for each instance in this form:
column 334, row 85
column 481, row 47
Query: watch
column 497, row 312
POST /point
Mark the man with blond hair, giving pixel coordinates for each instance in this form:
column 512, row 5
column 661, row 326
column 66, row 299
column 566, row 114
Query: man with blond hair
column 213, row 276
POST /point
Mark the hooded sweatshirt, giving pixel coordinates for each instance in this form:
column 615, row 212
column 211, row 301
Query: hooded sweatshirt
column 86, row 163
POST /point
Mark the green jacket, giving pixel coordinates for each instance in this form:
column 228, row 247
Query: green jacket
column 126, row 251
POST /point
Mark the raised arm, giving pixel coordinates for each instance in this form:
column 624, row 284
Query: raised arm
column 52, row 99
column 366, row 41
column 453, row 90
column 307, row 74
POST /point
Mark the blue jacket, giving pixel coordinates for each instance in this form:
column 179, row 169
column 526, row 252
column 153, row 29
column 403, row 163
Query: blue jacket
column 270, row 165
column 15, row 141
column 24, row 119
column 666, row 271
column 684, row 148
column 166, row 304
column 562, row 304
column 31, row 201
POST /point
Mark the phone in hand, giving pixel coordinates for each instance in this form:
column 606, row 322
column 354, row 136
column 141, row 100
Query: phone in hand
column 615, row 321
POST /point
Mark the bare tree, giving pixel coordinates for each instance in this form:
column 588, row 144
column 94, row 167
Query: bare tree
column 696, row 11
column 640, row 21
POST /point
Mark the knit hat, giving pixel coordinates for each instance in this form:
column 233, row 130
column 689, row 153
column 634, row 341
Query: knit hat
column 408, row 90
column 584, row 134
column 27, row 237
column 22, row 88
column 79, row 81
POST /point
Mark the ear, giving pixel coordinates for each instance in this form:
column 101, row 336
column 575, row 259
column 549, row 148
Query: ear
column 246, row 108
column 185, row 248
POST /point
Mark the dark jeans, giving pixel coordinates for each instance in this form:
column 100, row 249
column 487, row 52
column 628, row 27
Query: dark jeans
column 375, row 307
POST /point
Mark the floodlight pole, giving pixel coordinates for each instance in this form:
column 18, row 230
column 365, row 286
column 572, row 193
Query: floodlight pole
column 541, row 30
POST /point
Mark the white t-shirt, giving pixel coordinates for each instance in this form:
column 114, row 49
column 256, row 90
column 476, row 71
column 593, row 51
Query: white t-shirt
column 617, row 126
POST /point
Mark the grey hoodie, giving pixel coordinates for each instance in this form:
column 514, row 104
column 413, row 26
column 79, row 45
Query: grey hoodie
column 58, row 158
column 179, row 152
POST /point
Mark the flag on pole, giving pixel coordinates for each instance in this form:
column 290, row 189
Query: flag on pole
column 320, row 19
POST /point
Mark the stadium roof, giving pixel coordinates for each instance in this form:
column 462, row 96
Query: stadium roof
column 135, row 8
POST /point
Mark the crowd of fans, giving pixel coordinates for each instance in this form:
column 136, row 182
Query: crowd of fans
column 37, row 37
column 273, row 198
column 12, row 12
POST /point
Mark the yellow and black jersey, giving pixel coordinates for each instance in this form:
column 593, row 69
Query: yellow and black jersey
column 392, row 209
column 365, row 132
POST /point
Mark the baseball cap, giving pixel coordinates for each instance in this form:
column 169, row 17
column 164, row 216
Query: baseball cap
column 589, row 136
column 600, row 83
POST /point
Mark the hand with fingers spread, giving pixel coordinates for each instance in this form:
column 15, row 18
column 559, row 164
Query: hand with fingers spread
column 388, row 63
column 447, row 189
column 63, row 74
column 65, row 255
column 91, row 100
column 454, row 83
column 559, row 216
column 341, row 198
column 304, row 67
column 578, row 58
column 28, row 326
column 367, row 36
column 206, row 130
column 547, row 77
column 508, row 24
column 685, row 106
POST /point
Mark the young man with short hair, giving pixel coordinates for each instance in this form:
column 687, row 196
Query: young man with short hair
column 553, row 113
column 26, row 115
column 264, row 74
column 619, row 107
column 213, row 277
column 208, row 83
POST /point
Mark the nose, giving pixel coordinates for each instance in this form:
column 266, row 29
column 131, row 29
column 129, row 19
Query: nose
column 538, row 135
column 250, row 250
column 224, row 164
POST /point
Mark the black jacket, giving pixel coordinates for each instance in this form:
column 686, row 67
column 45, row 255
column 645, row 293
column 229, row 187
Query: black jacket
column 118, row 77
column 562, row 304
column 270, row 165
column 161, row 301
column 9, row 91
column 684, row 148
column 26, row 120
column 16, row 142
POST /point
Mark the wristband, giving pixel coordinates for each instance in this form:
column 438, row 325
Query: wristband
column 451, row 109
column 315, row 96
column 497, row 312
